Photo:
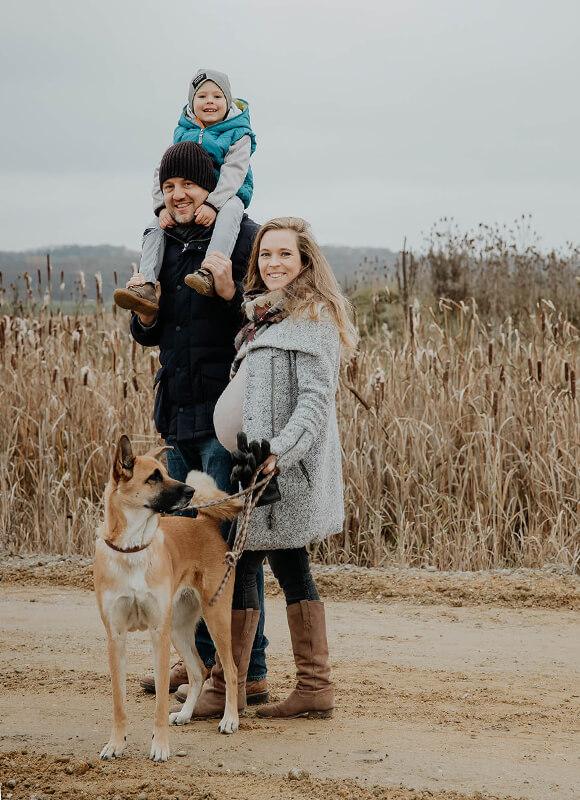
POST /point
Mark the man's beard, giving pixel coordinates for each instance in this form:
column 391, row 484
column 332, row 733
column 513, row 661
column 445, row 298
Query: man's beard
column 186, row 219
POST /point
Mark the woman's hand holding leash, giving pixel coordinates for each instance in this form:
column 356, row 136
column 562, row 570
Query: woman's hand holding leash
column 247, row 458
column 270, row 464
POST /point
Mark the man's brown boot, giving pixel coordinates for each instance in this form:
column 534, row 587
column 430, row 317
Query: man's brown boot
column 202, row 281
column 256, row 692
column 177, row 675
column 314, row 693
column 141, row 299
column 212, row 698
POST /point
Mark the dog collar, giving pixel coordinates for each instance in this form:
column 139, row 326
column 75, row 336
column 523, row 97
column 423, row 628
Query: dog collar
column 126, row 549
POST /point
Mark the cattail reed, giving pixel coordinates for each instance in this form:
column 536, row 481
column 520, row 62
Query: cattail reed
column 99, row 288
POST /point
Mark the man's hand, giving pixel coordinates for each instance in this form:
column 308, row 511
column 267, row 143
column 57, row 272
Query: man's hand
column 205, row 215
column 146, row 319
column 221, row 269
column 165, row 219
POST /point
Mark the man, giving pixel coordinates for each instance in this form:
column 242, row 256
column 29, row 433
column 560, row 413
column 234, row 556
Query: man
column 195, row 335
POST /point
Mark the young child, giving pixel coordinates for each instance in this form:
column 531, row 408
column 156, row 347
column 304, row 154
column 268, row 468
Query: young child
column 221, row 124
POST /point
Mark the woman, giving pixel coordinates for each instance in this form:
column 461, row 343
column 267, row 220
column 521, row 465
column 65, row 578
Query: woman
column 283, row 390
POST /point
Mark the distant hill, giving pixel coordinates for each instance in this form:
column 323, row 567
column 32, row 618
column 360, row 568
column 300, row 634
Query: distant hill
column 69, row 261
column 349, row 263
column 67, row 264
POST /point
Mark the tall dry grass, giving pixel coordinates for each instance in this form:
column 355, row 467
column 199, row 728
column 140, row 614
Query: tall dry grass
column 461, row 447
column 70, row 386
column 460, row 442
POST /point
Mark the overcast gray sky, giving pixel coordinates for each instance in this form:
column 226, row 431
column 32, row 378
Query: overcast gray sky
column 374, row 117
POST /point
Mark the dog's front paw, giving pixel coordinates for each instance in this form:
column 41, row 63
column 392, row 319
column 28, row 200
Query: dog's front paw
column 113, row 749
column 159, row 749
column 179, row 718
column 229, row 724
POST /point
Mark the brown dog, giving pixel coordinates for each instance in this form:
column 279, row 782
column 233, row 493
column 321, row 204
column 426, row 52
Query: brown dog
column 159, row 574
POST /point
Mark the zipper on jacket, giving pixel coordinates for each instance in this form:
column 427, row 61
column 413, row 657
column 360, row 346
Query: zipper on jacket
column 271, row 514
column 185, row 245
column 302, row 466
column 273, row 400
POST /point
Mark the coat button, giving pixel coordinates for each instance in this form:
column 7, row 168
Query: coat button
column 178, row 327
column 179, row 288
column 180, row 409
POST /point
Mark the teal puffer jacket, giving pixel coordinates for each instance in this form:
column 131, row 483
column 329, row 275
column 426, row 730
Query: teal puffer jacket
column 217, row 140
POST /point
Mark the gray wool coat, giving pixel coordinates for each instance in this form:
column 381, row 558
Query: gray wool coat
column 292, row 375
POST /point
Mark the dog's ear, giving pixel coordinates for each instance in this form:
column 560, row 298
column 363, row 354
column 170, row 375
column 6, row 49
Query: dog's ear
column 124, row 460
column 157, row 451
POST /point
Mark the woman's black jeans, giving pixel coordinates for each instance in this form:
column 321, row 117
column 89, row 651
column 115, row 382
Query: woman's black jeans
column 290, row 567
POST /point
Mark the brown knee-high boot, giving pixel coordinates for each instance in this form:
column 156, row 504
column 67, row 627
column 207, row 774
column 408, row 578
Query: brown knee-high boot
column 314, row 692
column 212, row 698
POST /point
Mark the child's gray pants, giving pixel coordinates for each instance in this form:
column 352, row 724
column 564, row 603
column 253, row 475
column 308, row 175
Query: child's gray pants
column 223, row 239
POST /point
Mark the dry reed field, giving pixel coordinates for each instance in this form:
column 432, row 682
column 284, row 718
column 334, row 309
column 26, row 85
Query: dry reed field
column 460, row 448
column 460, row 444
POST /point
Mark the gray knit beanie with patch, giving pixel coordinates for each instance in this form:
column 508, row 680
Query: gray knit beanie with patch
column 203, row 75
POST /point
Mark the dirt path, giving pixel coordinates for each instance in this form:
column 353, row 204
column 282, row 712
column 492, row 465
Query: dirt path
column 441, row 693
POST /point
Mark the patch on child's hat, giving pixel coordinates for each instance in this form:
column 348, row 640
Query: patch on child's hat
column 199, row 79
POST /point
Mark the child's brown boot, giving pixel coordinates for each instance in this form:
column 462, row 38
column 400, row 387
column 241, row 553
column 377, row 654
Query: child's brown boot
column 202, row 281
column 141, row 299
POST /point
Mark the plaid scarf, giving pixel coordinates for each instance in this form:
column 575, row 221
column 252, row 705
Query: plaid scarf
column 262, row 310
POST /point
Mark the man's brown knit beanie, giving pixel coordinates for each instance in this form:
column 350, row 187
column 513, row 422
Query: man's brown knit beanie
column 188, row 160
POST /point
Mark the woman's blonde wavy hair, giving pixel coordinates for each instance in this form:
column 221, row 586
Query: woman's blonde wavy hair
column 315, row 293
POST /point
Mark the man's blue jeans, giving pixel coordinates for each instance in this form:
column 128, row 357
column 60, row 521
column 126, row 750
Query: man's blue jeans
column 209, row 456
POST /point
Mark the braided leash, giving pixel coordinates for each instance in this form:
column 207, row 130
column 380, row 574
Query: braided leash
column 250, row 502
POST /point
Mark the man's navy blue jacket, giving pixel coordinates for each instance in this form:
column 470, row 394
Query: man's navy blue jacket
column 195, row 335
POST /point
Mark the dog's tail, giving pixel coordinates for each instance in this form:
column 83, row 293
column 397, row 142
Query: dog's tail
column 206, row 491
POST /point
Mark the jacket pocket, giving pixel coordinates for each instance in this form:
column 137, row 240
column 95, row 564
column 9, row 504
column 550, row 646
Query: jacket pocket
column 305, row 472
column 160, row 374
column 160, row 410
